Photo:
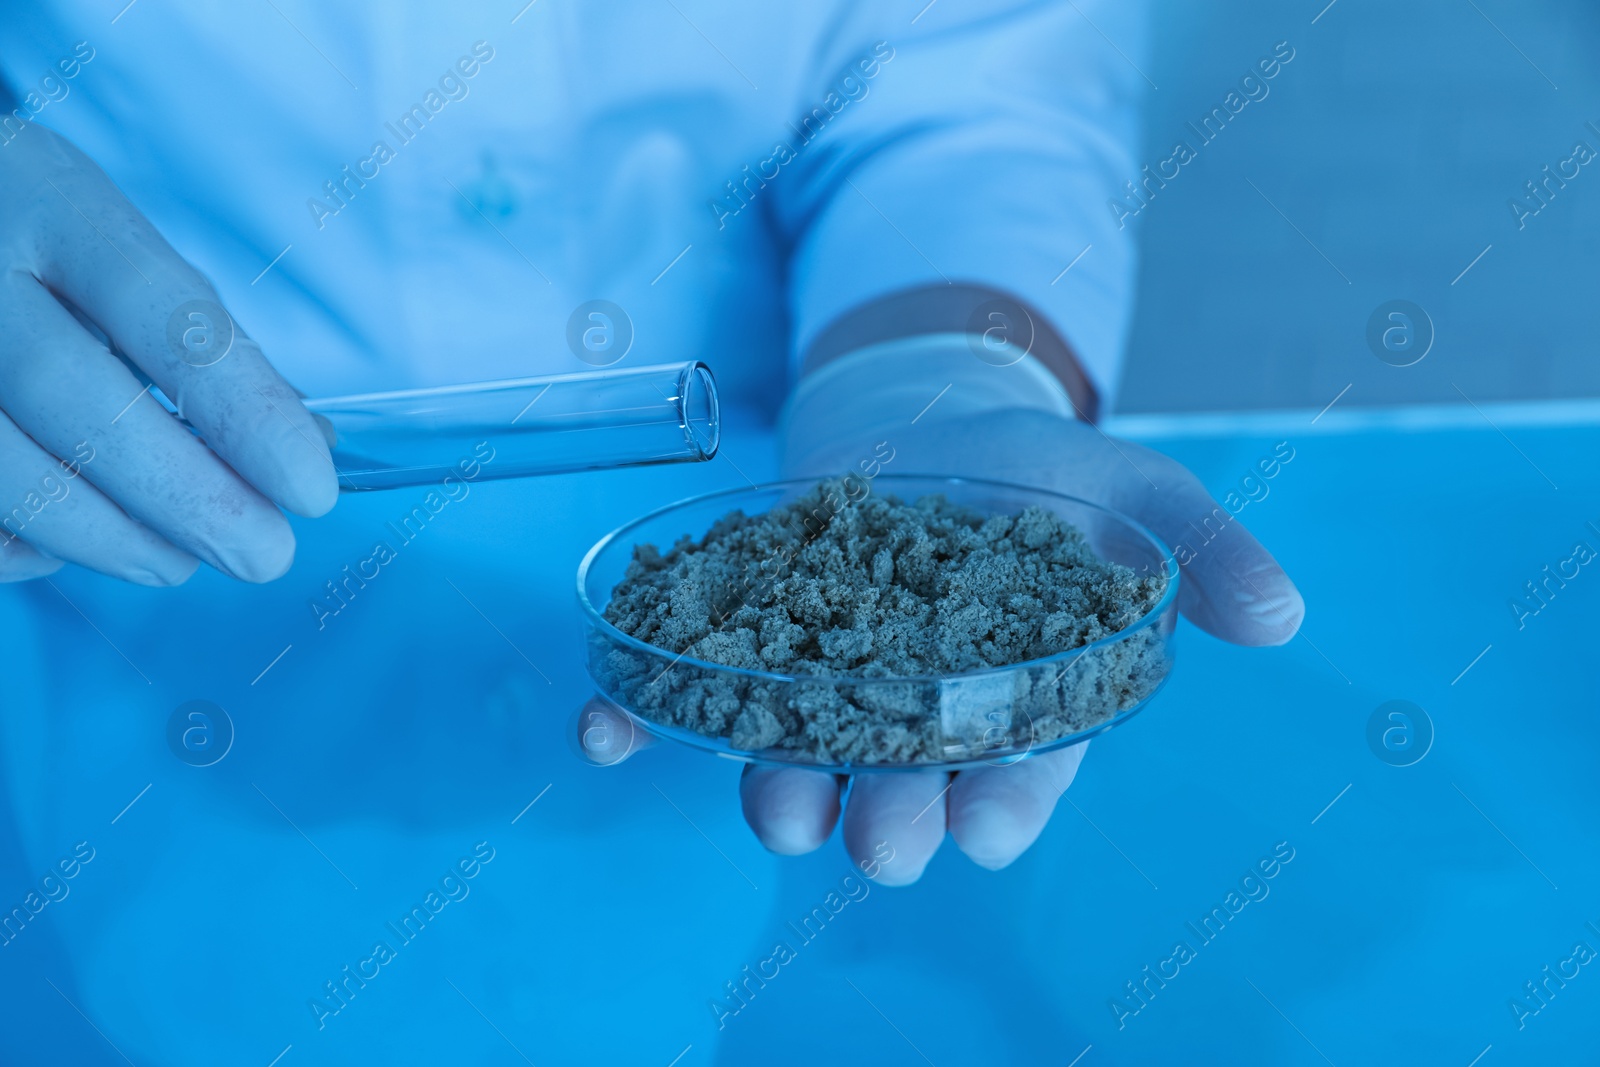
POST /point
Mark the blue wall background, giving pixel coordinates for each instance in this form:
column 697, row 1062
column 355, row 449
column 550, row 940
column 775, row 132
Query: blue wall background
column 1393, row 140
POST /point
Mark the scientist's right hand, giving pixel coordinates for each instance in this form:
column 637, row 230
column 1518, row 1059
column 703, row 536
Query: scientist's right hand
column 93, row 470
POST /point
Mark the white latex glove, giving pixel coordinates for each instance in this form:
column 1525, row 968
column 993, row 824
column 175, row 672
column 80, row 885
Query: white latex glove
column 95, row 471
column 1003, row 424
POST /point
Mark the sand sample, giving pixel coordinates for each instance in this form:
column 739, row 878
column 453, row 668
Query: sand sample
column 841, row 586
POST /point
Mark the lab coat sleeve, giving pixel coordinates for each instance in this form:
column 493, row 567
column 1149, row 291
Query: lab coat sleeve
column 984, row 151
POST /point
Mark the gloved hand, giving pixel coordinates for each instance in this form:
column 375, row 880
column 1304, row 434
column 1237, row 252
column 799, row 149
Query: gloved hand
column 1231, row 588
column 92, row 469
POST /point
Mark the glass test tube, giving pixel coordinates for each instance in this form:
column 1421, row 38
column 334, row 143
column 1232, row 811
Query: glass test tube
column 665, row 413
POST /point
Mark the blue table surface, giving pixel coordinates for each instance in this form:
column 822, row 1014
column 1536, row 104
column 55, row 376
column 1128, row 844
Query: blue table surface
column 424, row 717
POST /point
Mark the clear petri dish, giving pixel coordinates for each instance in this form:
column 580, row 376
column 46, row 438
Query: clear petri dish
column 847, row 724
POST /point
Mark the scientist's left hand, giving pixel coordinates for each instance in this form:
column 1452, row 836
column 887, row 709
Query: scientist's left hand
column 1231, row 587
column 993, row 812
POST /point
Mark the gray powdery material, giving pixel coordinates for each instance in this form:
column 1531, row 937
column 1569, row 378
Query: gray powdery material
column 841, row 589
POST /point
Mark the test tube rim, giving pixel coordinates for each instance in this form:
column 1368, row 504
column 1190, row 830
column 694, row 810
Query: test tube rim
column 696, row 369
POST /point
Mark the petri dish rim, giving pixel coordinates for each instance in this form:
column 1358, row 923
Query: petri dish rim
column 1164, row 611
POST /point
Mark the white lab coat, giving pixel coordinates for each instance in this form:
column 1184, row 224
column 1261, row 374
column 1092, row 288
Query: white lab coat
column 590, row 155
